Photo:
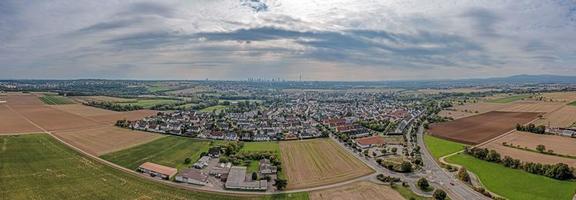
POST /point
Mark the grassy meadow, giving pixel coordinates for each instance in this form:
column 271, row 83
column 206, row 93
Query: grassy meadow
column 515, row 184
column 39, row 167
column 508, row 99
column 440, row 147
column 149, row 103
column 170, row 151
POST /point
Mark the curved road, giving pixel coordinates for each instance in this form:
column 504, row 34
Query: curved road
column 457, row 190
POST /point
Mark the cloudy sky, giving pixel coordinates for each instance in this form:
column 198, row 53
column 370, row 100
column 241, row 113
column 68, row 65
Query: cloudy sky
column 322, row 39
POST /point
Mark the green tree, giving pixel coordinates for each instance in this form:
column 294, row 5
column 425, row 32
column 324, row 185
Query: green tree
column 439, row 194
column 463, row 175
column 406, row 166
column 541, row 148
column 281, row 184
column 187, row 161
column 423, row 184
column 254, row 176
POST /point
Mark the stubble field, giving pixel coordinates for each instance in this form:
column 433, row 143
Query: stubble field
column 357, row 191
column 317, row 162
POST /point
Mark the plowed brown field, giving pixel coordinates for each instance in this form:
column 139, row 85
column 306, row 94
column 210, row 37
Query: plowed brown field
column 317, row 162
column 481, row 128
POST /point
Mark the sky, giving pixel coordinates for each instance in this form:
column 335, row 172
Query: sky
column 320, row 39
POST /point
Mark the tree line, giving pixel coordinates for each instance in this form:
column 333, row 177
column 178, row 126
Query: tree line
column 531, row 128
column 113, row 106
column 558, row 171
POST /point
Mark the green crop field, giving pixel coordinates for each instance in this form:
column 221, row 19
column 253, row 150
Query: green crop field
column 217, row 108
column 170, row 151
column 508, row 99
column 148, row 103
column 573, row 103
column 440, row 147
column 514, row 183
column 55, row 100
column 39, row 167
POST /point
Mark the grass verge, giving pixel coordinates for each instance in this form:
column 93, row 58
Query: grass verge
column 513, row 183
column 440, row 147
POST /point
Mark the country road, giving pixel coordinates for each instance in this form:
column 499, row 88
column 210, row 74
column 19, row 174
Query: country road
column 435, row 173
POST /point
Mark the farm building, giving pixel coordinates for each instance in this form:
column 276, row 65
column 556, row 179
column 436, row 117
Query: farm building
column 372, row 141
column 237, row 181
column 192, row 176
column 266, row 168
column 157, row 170
column 202, row 162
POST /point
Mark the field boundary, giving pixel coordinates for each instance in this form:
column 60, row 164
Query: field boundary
column 176, row 185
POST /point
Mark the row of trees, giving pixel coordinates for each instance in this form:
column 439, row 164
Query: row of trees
column 113, row 106
column 531, row 128
column 558, row 171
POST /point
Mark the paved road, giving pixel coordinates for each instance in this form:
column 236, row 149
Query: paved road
column 435, row 173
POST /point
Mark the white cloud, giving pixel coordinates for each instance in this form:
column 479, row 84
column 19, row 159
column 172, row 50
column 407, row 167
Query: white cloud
column 222, row 39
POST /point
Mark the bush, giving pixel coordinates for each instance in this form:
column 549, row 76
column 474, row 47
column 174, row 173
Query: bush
column 423, row 184
column 439, row 194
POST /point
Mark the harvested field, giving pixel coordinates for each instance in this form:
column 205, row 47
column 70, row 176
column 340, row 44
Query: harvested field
column 317, row 162
column 82, row 110
column 559, row 144
column 455, row 114
column 15, row 98
column 564, row 117
column 533, row 106
column 11, row 122
column 53, row 119
column 357, row 191
column 480, row 128
column 85, row 127
column 474, row 109
column 526, row 155
column 83, row 99
column 39, row 167
column 105, row 139
column 561, row 96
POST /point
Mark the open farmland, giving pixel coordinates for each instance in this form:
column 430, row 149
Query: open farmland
column 357, row 191
column 83, row 99
column 105, row 139
column 310, row 163
column 533, row 106
column 39, row 167
column 560, row 96
column 149, row 103
column 12, row 122
column 471, row 109
column 480, row 128
column 509, row 99
column 55, row 100
column 515, row 184
column 169, row 151
column 560, row 118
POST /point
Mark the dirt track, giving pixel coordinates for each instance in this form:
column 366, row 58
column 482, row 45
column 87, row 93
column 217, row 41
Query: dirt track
column 480, row 128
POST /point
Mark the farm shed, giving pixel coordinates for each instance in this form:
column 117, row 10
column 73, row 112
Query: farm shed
column 154, row 169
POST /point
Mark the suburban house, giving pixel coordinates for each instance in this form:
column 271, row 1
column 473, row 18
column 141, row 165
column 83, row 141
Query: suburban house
column 372, row 141
column 237, row 181
column 192, row 176
column 156, row 170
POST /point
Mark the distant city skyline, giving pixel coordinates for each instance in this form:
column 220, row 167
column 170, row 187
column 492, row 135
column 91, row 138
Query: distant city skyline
column 291, row 40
